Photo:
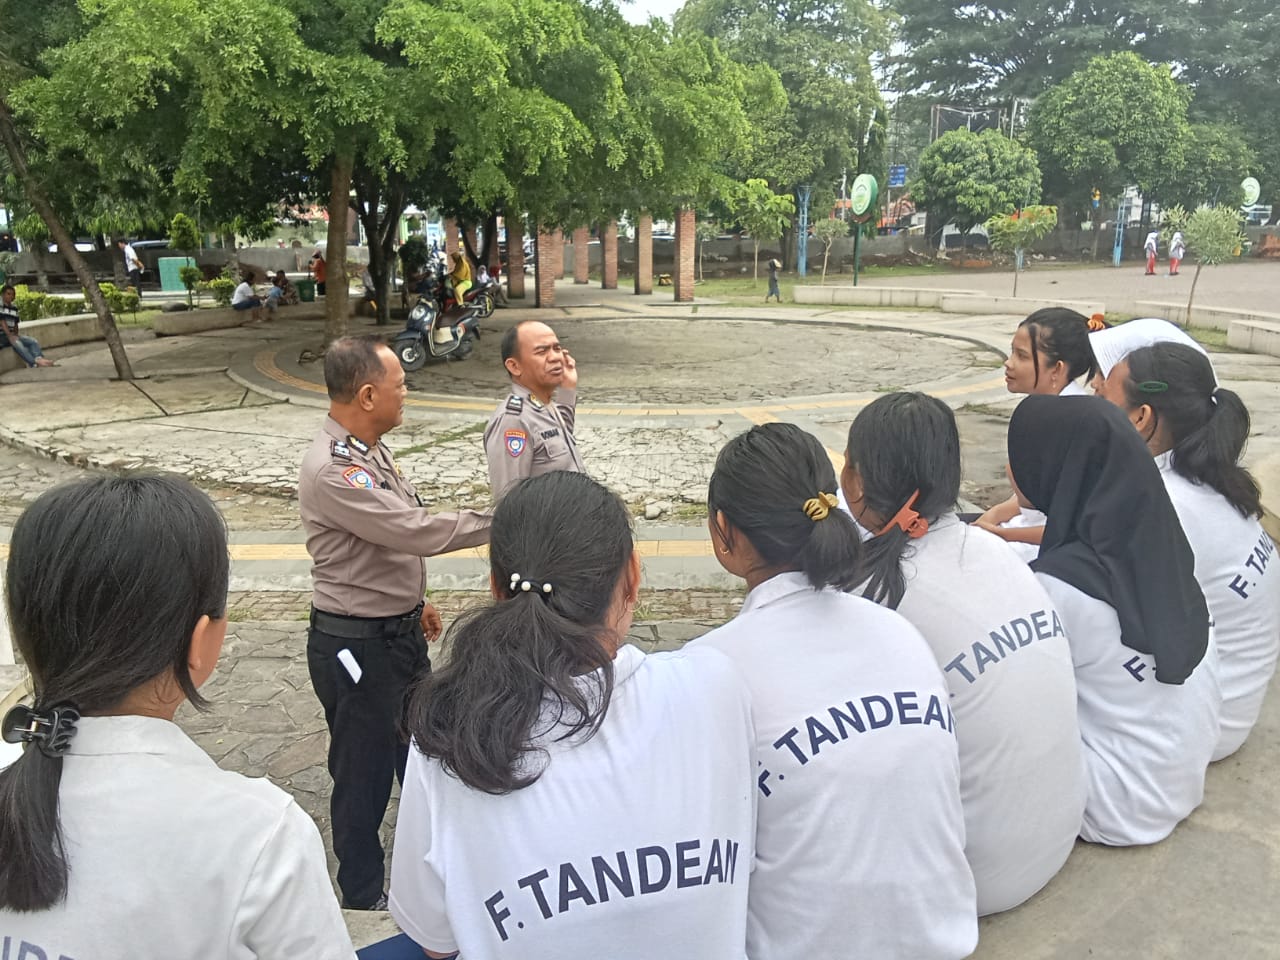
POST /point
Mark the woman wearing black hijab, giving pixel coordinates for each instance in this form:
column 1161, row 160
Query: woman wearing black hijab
column 1120, row 572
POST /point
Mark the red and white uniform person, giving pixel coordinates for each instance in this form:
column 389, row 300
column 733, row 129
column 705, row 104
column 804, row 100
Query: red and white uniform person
column 860, row 839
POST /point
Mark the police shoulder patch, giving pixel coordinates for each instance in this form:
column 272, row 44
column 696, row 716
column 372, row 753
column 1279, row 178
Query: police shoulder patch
column 514, row 404
column 516, row 441
column 339, row 450
column 358, row 477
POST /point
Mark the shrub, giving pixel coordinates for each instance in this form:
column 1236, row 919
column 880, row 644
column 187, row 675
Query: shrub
column 34, row 305
column 190, row 277
column 120, row 301
column 221, row 289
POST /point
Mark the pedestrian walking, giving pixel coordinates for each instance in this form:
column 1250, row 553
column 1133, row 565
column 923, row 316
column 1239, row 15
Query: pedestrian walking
column 774, row 267
column 1177, row 250
column 1151, row 247
column 367, row 532
column 132, row 264
column 531, row 432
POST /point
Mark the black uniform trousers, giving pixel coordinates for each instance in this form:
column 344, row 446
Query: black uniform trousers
column 365, row 746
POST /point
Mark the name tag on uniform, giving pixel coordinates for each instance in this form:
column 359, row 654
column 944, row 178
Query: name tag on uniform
column 548, row 434
column 515, row 440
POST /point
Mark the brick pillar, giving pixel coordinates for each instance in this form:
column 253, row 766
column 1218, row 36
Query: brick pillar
column 686, row 253
column 581, row 255
column 515, row 260
column 544, row 267
column 450, row 236
column 609, row 256
column 556, row 243
column 644, row 253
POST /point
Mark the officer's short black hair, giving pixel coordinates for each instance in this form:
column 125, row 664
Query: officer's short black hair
column 351, row 362
column 511, row 342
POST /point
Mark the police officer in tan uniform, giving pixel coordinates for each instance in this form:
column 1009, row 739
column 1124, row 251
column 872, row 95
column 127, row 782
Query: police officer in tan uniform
column 531, row 432
column 367, row 533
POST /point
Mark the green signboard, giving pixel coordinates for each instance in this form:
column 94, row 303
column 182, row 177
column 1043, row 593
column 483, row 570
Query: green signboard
column 863, row 197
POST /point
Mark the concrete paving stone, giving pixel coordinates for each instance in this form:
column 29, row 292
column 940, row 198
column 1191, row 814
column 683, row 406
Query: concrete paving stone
column 177, row 395
column 95, row 402
column 307, row 751
column 262, row 718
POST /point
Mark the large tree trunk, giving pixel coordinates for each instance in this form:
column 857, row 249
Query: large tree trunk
column 381, row 227
column 1097, row 231
column 335, row 254
column 489, row 250
column 41, row 204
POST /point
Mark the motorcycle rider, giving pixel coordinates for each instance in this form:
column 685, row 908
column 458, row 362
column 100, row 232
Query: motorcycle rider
column 460, row 274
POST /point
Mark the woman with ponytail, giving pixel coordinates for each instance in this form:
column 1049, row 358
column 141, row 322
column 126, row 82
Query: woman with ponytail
column 860, row 836
column 566, row 795
column 993, row 630
column 1197, row 430
column 119, row 837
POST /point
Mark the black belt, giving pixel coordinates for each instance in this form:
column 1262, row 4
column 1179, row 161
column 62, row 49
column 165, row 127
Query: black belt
column 365, row 628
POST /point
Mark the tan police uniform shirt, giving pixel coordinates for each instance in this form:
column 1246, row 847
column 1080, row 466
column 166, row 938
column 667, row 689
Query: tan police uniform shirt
column 526, row 438
column 367, row 532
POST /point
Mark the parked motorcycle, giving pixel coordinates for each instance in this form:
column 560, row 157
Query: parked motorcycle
column 428, row 334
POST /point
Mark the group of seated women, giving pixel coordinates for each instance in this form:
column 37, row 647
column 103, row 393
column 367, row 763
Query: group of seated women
column 907, row 726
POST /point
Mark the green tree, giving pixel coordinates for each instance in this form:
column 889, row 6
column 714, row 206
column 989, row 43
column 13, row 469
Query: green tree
column 1117, row 122
column 706, row 230
column 184, row 235
column 1212, row 235
column 763, row 213
column 827, row 231
column 1014, row 232
column 1215, row 160
column 967, row 178
column 834, row 119
column 986, row 51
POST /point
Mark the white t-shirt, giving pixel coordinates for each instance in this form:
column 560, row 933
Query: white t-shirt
column 1146, row 744
column 172, row 857
column 1006, row 659
column 1233, row 567
column 636, row 843
column 131, row 261
column 860, row 842
column 242, row 293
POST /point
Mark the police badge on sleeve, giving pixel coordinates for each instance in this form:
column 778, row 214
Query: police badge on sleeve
column 516, row 441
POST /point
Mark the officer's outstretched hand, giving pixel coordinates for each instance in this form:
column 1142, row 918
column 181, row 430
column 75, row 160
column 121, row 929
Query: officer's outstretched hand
column 431, row 623
column 570, row 379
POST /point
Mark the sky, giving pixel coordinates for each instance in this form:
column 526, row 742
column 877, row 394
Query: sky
column 639, row 11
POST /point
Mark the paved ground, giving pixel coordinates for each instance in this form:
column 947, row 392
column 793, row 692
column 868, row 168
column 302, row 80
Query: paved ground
column 663, row 387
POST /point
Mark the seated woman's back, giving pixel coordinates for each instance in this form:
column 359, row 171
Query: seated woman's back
column 567, row 795
column 119, row 837
column 1120, row 571
column 636, row 842
column 860, row 837
column 994, row 632
column 1197, row 432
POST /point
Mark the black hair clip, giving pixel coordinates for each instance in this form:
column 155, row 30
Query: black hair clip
column 1152, row 386
column 50, row 729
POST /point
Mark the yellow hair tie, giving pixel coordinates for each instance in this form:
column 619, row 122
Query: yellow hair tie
column 817, row 508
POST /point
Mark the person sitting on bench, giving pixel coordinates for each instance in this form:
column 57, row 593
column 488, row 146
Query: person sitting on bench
column 25, row 347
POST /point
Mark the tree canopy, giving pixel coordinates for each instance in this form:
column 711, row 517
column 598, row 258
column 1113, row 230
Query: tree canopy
column 968, row 178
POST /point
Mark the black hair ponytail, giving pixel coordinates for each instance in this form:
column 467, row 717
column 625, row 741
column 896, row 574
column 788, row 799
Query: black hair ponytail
column 107, row 578
column 481, row 714
column 902, row 443
column 1208, row 424
column 763, row 480
column 1061, row 334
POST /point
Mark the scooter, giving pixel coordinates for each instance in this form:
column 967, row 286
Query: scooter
column 481, row 296
column 427, row 334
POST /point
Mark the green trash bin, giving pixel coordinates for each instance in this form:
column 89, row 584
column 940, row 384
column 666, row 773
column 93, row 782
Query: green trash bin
column 306, row 290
